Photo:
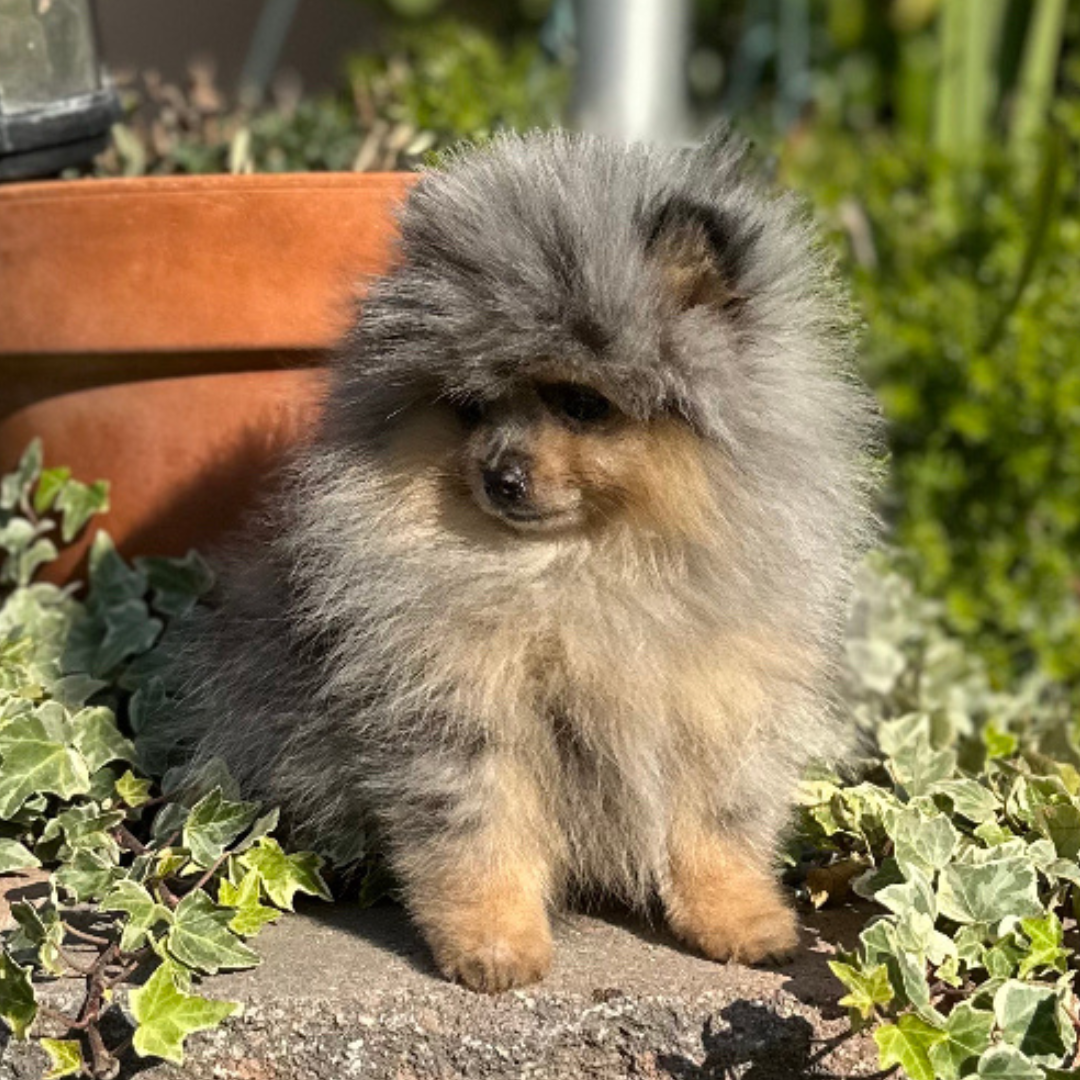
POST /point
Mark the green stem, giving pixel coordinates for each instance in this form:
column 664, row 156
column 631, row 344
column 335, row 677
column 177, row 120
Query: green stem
column 1035, row 88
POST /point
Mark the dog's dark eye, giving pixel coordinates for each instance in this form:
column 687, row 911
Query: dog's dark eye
column 470, row 411
column 577, row 403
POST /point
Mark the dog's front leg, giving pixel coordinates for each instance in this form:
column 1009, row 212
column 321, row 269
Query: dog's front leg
column 722, row 898
column 480, row 892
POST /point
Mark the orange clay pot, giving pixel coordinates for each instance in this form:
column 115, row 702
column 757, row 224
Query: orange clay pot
column 161, row 333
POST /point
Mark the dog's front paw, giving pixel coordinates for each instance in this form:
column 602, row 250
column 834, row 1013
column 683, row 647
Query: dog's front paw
column 495, row 959
column 491, row 935
column 768, row 934
column 723, row 902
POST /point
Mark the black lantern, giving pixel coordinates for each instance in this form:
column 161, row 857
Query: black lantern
column 56, row 104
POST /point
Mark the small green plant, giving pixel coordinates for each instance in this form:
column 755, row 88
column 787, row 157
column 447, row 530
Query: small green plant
column 148, row 887
column 963, row 827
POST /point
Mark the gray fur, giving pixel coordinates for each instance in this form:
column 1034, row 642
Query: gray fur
column 351, row 671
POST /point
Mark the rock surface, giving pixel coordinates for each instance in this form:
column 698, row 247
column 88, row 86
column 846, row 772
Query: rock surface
column 344, row 994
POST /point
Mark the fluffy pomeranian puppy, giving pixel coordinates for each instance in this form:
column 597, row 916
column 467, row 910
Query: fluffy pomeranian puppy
column 553, row 598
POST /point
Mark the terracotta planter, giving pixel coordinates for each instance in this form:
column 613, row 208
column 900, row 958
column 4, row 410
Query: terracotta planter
column 161, row 333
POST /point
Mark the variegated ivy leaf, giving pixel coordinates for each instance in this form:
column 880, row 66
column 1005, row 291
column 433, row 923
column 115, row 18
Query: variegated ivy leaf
column 262, row 826
column 877, row 663
column 129, row 631
column 967, row 1034
column 89, row 875
column 1007, row 1063
column 79, row 502
column 1060, row 823
column 86, row 825
column 166, row 1015
column 112, row 581
column 914, row 905
column 989, row 892
column 1033, row 1020
column 907, row 970
column 98, row 738
column 200, row 936
column 922, row 842
column 969, row 798
column 213, row 824
column 142, row 910
column 14, row 486
column 14, row 856
column 34, row 762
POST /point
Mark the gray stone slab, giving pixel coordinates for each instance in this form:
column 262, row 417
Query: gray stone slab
column 344, row 993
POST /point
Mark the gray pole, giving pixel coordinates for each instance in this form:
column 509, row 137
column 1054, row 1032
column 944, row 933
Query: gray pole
column 631, row 68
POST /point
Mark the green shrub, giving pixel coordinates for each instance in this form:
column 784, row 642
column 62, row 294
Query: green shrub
column 458, row 82
column 968, row 281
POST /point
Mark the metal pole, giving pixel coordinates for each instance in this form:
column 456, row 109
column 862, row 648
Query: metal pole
column 631, row 70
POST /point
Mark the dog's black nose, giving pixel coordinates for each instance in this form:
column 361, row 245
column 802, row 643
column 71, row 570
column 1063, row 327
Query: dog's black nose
column 507, row 482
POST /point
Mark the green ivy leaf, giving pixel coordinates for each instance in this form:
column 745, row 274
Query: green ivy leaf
column 133, row 791
column 250, row 915
column 907, row 1043
column 986, row 893
column 40, row 929
column 129, row 631
column 79, row 502
column 112, row 581
column 1060, row 823
column 49, row 485
column 13, row 856
column 999, row 744
column 283, row 876
column 71, row 691
column 200, row 936
column 33, row 762
column 176, row 583
column 65, row 1057
column 868, row 988
column 18, row 1007
column 214, row 822
column 166, row 1015
column 967, row 1034
column 1046, row 949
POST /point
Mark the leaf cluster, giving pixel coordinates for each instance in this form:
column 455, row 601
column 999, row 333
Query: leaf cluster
column 148, row 884
column 964, row 829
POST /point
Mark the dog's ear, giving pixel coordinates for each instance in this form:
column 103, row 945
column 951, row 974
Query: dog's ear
column 700, row 252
